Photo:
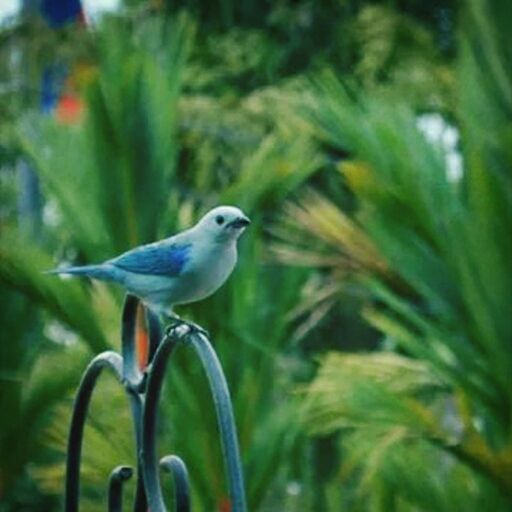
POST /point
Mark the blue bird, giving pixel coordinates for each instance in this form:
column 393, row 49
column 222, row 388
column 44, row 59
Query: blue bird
column 184, row 268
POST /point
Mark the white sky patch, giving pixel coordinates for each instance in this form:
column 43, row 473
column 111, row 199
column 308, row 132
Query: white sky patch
column 440, row 133
column 94, row 8
column 8, row 9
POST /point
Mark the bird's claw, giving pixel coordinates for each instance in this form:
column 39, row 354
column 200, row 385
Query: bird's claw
column 197, row 329
column 172, row 326
column 192, row 328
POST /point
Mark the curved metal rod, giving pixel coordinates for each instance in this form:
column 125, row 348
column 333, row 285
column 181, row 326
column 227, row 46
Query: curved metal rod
column 155, row 332
column 148, row 455
column 140, row 502
column 133, row 380
column 115, row 487
column 175, row 465
column 109, row 360
column 225, row 418
column 131, row 371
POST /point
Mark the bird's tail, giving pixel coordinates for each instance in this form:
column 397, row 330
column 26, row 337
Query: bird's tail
column 102, row 272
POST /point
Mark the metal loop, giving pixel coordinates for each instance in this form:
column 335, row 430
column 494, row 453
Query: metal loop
column 148, row 454
column 115, row 487
column 225, row 419
column 114, row 362
column 144, row 391
column 223, row 408
column 175, row 465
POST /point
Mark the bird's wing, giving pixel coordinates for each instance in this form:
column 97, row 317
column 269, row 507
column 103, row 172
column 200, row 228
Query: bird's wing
column 159, row 259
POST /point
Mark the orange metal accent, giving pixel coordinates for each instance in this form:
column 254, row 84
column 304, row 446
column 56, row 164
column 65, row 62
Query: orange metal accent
column 142, row 339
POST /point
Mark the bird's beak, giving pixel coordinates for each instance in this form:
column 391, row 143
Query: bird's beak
column 241, row 222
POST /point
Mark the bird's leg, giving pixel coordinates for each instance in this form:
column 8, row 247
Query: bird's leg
column 172, row 320
column 175, row 321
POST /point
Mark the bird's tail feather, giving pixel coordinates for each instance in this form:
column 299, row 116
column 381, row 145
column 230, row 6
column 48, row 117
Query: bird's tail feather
column 101, row 272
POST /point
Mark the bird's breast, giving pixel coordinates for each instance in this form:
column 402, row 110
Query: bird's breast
column 206, row 271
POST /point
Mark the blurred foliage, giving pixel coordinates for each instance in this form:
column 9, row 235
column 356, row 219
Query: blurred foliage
column 442, row 301
column 125, row 189
column 353, row 211
column 29, row 389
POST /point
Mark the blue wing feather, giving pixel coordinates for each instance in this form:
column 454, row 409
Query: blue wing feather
column 155, row 259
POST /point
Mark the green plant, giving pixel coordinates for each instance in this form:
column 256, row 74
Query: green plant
column 170, row 129
column 447, row 245
column 30, row 387
column 113, row 182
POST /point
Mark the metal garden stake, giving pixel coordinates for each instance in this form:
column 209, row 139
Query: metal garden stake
column 143, row 390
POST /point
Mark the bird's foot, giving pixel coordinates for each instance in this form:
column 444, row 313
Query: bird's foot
column 173, row 324
column 192, row 327
column 197, row 329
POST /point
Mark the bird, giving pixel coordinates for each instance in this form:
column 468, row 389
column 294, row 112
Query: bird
column 184, row 268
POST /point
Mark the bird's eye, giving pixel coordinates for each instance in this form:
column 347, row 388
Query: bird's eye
column 219, row 220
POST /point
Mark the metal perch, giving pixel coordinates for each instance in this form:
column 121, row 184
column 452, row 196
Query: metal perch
column 143, row 389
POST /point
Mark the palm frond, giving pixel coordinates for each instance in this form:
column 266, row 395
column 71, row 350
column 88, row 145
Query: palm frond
column 22, row 267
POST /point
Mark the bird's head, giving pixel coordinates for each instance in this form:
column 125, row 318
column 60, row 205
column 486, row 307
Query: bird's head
column 224, row 223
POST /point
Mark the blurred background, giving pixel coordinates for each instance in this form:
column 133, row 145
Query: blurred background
column 366, row 333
